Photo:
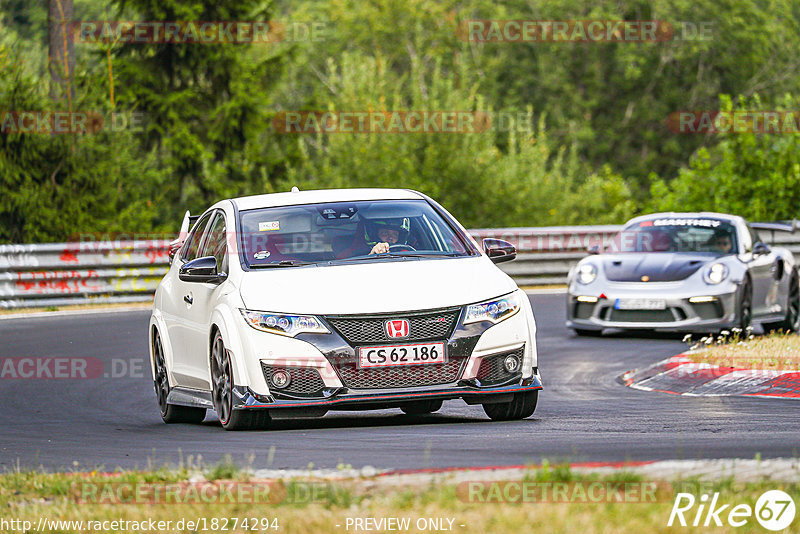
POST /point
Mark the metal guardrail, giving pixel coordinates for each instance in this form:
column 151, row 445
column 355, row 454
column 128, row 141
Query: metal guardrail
column 60, row 274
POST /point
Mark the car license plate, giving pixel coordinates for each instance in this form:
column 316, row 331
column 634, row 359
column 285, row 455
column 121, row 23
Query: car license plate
column 640, row 304
column 407, row 354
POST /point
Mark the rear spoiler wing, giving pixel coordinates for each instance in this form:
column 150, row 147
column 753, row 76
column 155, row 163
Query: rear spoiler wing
column 777, row 226
column 188, row 222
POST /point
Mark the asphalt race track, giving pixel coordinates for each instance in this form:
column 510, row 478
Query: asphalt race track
column 583, row 413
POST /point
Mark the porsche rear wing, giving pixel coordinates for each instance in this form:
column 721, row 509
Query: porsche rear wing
column 777, row 226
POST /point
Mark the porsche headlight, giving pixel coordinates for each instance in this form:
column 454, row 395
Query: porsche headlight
column 287, row 325
column 494, row 310
column 587, row 273
column 716, row 273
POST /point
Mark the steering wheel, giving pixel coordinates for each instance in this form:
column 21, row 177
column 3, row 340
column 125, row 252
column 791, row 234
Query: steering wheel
column 399, row 247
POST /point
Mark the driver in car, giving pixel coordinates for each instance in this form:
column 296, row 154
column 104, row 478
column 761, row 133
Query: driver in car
column 721, row 242
column 376, row 238
column 388, row 235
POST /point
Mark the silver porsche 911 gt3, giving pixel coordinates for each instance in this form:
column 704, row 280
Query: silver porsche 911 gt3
column 692, row 272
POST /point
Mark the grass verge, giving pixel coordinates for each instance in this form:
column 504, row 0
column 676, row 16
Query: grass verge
column 308, row 506
column 776, row 351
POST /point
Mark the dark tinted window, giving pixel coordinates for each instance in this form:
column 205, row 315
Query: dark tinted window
column 216, row 244
column 193, row 241
column 347, row 230
column 677, row 234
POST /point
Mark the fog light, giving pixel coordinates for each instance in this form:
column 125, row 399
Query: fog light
column 280, row 379
column 511, row 363
column 700, row 300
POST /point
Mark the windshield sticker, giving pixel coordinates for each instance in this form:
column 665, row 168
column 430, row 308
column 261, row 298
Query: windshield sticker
column 269, row 226
column 342, row 213
column 705, row 223
column 261, row 255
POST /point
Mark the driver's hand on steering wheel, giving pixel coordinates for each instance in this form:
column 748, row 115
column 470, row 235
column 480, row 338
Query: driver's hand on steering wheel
column 380, row 248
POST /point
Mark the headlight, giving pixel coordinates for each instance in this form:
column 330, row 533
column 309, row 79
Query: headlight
column 716, row 273
column 287, row 325
column 495, row 310
column 587, row 273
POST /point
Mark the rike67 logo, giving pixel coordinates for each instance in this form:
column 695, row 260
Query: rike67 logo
column 774, row 510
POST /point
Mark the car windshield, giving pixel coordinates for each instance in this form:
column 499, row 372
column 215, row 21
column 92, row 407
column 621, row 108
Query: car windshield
column 347, row 231
column 693, row 234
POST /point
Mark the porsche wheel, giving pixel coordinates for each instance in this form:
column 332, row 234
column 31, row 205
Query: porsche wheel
column 222, row 393
column 523, row 405
column 744, row 312
column 791, row 322
column 170, row 413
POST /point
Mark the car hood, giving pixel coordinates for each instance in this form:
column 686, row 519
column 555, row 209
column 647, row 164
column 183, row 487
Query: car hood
column 657, row 266
column 375, row 287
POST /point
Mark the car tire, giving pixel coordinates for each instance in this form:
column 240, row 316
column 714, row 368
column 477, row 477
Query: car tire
column 744, row 307
column 170, row 413
column 791, row 323
column 587, row 333
column 523, row 405
column 222, row 393
column 421, row 407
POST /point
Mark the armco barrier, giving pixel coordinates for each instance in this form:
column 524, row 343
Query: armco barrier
column 129, row 271
column 59, row 274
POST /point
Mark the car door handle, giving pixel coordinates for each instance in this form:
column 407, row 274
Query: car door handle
column 188, row 299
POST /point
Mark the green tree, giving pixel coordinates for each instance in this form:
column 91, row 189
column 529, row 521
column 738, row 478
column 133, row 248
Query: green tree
column 754, row 175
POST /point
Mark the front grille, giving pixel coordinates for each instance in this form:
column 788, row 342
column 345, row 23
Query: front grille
column 642, row 316
column 401, row 376
column 423, row 326
column 583, row 310
column 708, row 310
column 492, row 370
column 305, row 382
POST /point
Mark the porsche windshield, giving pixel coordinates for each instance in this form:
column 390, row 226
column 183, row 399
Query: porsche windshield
column 677, row 235
column 347, row 231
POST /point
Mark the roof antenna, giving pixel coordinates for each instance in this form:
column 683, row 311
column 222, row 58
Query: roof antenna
column 295, row 189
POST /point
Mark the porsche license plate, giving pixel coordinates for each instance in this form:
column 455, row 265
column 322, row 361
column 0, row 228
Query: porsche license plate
column 640, row 304
column 406, row 354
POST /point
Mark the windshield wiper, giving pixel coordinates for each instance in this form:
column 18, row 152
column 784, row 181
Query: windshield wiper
column 420, row 254
column 401, row 255
column 284, row 263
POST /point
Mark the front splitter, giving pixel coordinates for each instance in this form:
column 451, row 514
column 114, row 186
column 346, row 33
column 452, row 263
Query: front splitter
column 244, row 398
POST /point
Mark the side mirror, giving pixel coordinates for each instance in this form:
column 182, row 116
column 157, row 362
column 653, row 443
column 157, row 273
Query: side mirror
column 499, row 250
column 594, row 249
column 201, row 270
column 760, row 249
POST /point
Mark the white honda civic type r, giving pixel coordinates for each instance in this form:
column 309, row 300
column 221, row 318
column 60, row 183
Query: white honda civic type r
column 292, row 304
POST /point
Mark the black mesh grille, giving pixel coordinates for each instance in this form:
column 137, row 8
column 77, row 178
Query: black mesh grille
column 708, row 310
column 423, row 326
column 642, row 316
column 305, row 382
column 401, row 376
column 583, row 310
column 492, row 370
